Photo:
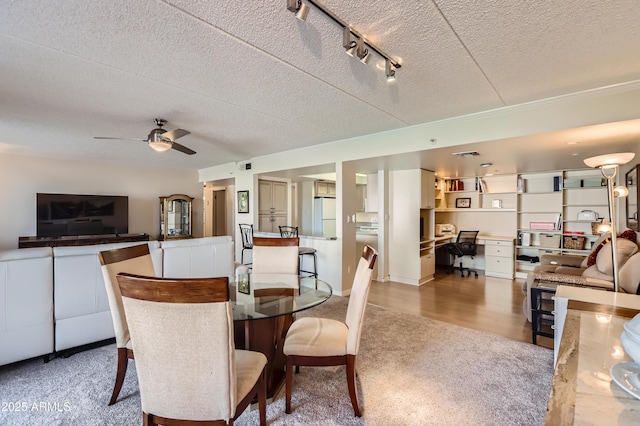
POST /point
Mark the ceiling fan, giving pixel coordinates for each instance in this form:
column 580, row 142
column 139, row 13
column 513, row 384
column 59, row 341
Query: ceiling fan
column 161, row 140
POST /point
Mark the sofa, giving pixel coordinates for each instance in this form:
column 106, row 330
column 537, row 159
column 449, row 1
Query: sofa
column 55, row 299
column 577, row 270
column 26, row 303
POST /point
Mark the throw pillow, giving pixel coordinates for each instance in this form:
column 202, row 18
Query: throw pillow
column 591, row 260
column 625, row 250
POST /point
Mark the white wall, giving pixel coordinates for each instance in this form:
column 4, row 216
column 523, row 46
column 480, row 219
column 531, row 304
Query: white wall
column 22, row 177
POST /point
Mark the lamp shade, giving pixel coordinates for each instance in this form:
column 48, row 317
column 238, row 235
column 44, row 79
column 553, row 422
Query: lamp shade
column 616, row 159
column 161, row 145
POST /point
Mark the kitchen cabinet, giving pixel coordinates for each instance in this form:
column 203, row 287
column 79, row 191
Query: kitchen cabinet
column 272, row 205
column 361, row 197
column 325, row 188
column 371, row 202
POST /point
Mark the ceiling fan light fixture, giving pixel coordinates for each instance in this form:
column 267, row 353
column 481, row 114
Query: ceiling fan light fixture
column 160, row 145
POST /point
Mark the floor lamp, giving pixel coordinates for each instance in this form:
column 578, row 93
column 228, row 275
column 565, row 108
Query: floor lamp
column 608, row 165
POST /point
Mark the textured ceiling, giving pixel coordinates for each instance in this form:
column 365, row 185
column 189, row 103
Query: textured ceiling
column 248, row 79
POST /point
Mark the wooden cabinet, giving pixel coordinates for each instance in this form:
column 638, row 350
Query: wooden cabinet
column 411, row 255
column 371, row 202
column 325, row 188
column 361, row 197
column 175, row 217
column 498, row 256
column 272, row 205
column 427, row 189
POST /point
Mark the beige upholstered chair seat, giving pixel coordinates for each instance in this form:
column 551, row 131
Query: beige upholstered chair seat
column 249, row 366
column 316, row 337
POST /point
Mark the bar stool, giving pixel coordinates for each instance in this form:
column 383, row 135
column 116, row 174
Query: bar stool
column 292, row 232
column 246, row 231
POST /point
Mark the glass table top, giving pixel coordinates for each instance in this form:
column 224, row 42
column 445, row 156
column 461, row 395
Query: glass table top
column 258, row 296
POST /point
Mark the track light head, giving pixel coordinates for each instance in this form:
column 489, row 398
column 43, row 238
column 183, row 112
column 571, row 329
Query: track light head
column 390, row 71
column 347, row 43
column 361, row 52
column 301, row 10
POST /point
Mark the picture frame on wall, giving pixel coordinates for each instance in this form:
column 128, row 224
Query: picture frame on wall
column 463, row 203
column 243, row 201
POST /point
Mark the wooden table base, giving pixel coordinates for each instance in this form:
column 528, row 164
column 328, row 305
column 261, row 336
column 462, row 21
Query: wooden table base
column 266, row 335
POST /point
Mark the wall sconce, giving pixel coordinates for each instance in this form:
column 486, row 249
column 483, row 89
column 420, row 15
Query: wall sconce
column 608, row 165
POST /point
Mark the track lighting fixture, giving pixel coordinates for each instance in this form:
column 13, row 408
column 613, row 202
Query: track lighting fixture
column 362, row 52
column 347, row 43
column 354, row 47
column 301, row 9
column 390, row 71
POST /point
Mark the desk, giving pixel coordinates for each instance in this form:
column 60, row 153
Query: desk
column 582, row 391
column 263, row 315
column 498, row 253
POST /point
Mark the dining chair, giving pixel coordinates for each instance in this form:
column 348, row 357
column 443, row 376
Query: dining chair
column 188, row 368
column 275, row 255
column 137, row 260
column 292, row 232
column 246, row 232
column 321, row 342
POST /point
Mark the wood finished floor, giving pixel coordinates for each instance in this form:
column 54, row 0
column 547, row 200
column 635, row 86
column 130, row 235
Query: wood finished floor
column 493, row 305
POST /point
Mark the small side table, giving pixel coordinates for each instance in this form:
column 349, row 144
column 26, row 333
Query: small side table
column 542, row 305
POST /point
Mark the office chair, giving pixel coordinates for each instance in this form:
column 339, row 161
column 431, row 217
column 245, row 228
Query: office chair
column 465, row 245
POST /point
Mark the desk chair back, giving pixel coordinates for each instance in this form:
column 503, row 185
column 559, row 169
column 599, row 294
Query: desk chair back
column 467, row 243
column 187, row 365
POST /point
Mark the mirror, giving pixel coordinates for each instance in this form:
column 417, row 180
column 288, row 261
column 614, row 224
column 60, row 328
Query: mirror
column 631, row 181
column 175, row 217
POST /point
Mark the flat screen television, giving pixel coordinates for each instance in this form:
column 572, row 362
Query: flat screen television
column 61, row 215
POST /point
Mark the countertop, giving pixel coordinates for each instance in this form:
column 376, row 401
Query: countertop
column 582, row 390
column 277, row 235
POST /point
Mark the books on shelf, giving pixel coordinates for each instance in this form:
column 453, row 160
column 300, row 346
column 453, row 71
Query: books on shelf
column 483, row 185
column 521, row 185
column 556, row 184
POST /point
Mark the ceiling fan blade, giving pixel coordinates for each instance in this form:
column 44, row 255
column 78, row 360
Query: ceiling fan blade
column 175, row 134
column 182, row 148
column 119, row 139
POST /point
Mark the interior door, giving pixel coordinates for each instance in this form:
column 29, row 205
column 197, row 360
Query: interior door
column 219, row 213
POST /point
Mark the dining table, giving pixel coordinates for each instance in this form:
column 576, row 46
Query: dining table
column 264, row 306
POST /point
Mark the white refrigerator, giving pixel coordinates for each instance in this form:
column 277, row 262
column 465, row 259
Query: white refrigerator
column 324, row 217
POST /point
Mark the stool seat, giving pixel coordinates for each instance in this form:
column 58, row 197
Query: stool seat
column 306, row 250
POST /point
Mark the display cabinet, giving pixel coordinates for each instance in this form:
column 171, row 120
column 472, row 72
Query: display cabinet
column 175, row 217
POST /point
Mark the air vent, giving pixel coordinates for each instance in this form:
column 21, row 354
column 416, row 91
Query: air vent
column 465, row 154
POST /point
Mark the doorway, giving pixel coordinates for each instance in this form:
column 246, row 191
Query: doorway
column 219, row 210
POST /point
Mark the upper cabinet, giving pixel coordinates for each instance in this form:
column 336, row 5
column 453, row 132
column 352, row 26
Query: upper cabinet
column 371, row 202
column 427, row 189
column 325, row 188
column 272, row 205
column 175, row 217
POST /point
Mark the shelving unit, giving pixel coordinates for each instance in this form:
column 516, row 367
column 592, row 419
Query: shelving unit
column 556, row 197
column 581, row 189
column 539, row 201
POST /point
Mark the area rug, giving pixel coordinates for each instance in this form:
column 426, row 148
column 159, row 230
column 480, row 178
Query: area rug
column 411, row 371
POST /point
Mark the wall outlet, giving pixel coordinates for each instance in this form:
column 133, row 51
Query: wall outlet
column 348, row 269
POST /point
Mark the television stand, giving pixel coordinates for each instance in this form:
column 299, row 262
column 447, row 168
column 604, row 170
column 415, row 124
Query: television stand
column 82, row 240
